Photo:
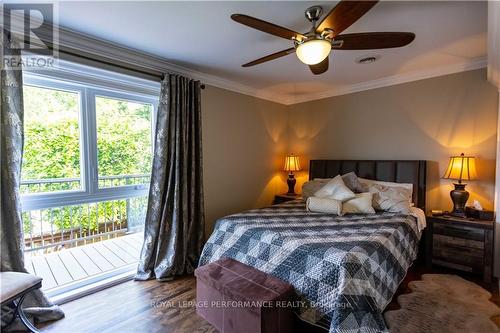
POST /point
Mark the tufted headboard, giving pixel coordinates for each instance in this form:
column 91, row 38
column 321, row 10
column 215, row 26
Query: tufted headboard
column 391, row 171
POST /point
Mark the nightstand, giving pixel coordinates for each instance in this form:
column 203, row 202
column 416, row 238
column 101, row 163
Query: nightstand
column 460, row 243
column 280, row 198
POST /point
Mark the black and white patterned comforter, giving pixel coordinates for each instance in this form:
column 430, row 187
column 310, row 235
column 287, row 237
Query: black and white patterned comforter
column 345, row 269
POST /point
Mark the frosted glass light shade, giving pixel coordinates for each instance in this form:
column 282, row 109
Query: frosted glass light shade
column 314, row 51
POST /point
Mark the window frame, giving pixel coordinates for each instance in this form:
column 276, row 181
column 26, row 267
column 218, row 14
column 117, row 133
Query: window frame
column 104, row 83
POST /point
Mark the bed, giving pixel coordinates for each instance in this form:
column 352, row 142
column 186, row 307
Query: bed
column 345, row 269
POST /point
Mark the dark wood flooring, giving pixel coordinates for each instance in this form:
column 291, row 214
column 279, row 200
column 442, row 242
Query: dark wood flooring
column 153, row 306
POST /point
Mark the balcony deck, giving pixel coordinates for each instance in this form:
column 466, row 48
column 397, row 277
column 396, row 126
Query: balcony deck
column 67, row 266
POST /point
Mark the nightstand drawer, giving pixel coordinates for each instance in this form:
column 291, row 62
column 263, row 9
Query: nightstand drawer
column 459, row 231
column 458, row 251
column 458, row 242
column 461, row 244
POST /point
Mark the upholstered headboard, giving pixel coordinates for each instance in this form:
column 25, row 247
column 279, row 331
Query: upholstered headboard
column 391, row 171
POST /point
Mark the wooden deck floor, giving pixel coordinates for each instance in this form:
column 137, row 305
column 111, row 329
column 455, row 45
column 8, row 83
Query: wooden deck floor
column 70, row 265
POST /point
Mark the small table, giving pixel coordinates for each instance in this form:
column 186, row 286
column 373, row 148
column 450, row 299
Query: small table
column 284, row 197
column 461, row 243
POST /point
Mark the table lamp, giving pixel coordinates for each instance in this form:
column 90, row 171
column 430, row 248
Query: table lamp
column 292, row 164
column 460, row 168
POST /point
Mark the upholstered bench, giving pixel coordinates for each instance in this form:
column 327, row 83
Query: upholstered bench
column 235, row 297
column 14, row 287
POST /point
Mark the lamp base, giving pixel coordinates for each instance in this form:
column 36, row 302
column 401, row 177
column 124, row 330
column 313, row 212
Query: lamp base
column 459, row 196
column 291, row 183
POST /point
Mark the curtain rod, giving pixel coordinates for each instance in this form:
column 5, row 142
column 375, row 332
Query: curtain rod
column 151, row 74
column 156, row 75
column 94, row 58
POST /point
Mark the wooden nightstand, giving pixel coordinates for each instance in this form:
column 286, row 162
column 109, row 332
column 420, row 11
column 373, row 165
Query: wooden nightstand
column 280, row 198
column 459, row 243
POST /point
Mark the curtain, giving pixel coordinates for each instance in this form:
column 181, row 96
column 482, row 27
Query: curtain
column 11, row 150
column 175, row 222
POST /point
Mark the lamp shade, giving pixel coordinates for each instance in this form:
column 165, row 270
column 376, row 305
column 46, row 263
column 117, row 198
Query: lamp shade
column 292, row 163
column 461, row 168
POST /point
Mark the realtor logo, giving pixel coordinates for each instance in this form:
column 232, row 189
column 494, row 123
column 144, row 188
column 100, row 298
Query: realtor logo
column 33, row 27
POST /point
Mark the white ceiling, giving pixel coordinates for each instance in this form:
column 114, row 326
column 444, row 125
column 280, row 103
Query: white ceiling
column 450, row 36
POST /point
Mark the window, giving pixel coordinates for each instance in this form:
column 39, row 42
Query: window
column 87, row 159
column 85, row 141
column 52, row 148
column 124, row 141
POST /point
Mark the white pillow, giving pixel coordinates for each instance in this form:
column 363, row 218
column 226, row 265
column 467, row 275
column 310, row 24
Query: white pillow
column 324, row 205
column 368, row 182
column 361, row 204
column 335, row 189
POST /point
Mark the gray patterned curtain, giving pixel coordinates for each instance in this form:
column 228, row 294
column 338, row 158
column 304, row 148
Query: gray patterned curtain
column 11, row 150
column 175, row 222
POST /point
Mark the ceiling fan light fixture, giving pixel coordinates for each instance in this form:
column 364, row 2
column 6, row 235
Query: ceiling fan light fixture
column 313, row 51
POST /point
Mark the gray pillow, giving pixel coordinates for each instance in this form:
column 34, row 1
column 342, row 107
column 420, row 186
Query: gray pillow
column 391, row 199
column 312, row 186
column 351, row 180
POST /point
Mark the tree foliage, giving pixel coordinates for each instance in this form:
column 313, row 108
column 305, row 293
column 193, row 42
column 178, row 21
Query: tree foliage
column 53, row 148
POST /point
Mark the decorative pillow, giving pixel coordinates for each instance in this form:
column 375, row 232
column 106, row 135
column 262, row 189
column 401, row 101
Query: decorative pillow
column 351, row 180
column 335, row 189
column 361, row 204
column 324, row 205
column 312, row 186
column 367, row 182
column 393, row 199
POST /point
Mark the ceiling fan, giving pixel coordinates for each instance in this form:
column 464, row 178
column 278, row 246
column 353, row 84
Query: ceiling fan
column 314, row 46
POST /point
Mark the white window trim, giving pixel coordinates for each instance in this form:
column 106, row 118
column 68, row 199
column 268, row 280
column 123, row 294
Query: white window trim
column 90, row 82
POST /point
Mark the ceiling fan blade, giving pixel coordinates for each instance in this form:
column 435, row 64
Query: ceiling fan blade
column 264, row 26
column 344, row 14
column 373, row 40
column 320, row 68
column 270, row 57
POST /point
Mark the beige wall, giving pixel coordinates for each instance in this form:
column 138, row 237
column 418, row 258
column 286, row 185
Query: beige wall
column 243, row 141
column 430, row 119
column 246, row 138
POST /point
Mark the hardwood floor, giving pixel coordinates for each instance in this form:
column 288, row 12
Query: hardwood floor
column 153, row 306
column 134, row 306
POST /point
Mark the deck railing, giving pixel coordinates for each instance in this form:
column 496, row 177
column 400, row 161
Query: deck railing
column 68, row 184
column 51, row 229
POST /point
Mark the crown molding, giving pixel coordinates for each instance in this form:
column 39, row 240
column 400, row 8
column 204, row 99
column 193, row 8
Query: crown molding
column 468, row 65
column 95, row 48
